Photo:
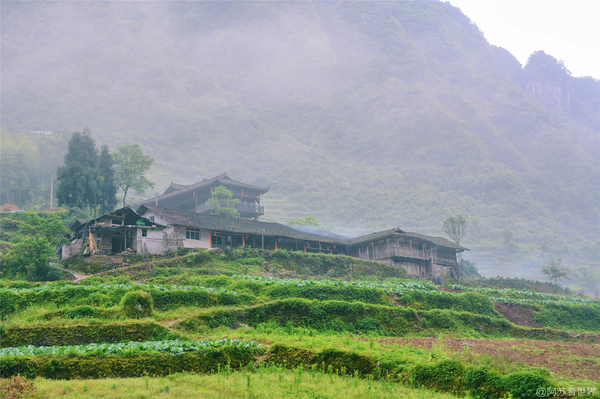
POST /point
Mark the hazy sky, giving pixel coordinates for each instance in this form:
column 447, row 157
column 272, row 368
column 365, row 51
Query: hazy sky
column 569, row 30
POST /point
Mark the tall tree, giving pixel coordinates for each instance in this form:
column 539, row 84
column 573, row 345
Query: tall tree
column 131, row 165
column 309, row 222
column 554, row 271
column 78, row 183
column 108, row 186
column 455, row 227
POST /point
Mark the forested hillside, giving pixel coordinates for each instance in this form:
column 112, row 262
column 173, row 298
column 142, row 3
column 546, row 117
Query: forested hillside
column 368, row 115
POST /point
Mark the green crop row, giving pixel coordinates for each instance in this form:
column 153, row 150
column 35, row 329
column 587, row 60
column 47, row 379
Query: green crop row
column 174, row 347
column 356, row 316
column 526, row 296
column 102, row 296
column 469, row 302
column 78, row 334
column 571, row 316
column 396, row 286
column 153, row 364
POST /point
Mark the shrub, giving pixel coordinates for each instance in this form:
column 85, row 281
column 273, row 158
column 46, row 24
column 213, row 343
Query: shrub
column 524, row 385
column 18, row 387
column 137, row 304
column 569, row 316
column 111, row 366
column 76, row 334
column 444, row 376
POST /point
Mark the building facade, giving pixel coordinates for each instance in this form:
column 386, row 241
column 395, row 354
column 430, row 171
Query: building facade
column 156, row 230
column 194, row 197
column 115, row 232
column 419, row 254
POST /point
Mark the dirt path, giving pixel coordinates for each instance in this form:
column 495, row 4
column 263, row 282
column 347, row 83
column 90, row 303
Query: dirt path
column 574, row 360
column 517, row 314
column 78, row 276
column 173, row 322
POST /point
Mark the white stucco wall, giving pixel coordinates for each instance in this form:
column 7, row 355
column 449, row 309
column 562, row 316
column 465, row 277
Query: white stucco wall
column 178, row 233
column 203, row 242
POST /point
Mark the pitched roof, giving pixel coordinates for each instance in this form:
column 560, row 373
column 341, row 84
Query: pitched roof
column 176, row 189
column 400, row 233
column 130, row 219
column 234, row 225
column 441, row 241
column 376, row 236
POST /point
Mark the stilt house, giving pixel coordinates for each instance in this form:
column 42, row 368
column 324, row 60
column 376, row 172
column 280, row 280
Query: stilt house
column 419, row 254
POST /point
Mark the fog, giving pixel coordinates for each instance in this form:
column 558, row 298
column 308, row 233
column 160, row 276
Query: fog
column 366, row 115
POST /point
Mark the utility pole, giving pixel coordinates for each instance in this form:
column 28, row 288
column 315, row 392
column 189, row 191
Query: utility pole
column 52, row 191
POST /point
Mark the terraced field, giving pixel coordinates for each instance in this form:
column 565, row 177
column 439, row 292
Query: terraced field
column 237, row 316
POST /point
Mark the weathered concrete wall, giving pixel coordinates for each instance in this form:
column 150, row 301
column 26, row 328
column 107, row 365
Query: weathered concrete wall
column 154, row 241
column 72, row 248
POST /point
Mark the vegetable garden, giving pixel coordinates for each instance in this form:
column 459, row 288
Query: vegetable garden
column 196, row 322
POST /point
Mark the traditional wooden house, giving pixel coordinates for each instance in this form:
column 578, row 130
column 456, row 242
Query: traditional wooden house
column 155, row 229
column 419, row 254
column 191, row 230
column 113, row 233
column 194, row 197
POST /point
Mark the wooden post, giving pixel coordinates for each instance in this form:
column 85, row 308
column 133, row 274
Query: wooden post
column 388, row 245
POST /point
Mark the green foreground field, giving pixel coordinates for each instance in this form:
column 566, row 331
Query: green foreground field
column 270, row 382
column 360, row 332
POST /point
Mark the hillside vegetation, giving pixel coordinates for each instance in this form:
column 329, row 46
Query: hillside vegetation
column 366, row 115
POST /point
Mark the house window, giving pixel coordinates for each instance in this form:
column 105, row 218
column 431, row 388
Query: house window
column 192, row 234
column 144, row 233
column 215, row 240
column 151, row 218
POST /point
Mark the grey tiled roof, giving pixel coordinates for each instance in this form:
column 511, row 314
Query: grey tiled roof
column 222, row 179
column 244, row 226
column 234, row 225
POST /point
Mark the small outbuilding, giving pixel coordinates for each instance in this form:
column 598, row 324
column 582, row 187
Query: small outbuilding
column 115, row 232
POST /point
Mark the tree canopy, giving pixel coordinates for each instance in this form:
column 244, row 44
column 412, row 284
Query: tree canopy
column 309, row 222
column 87, row 177
column 222, row 203
column 455, row 227
column 78, row 183
column 554, row 271
column 108, row 186
column 31, row 250
column 131, row 165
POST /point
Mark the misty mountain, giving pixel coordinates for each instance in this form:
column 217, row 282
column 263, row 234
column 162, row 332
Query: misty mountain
column 368, row 115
